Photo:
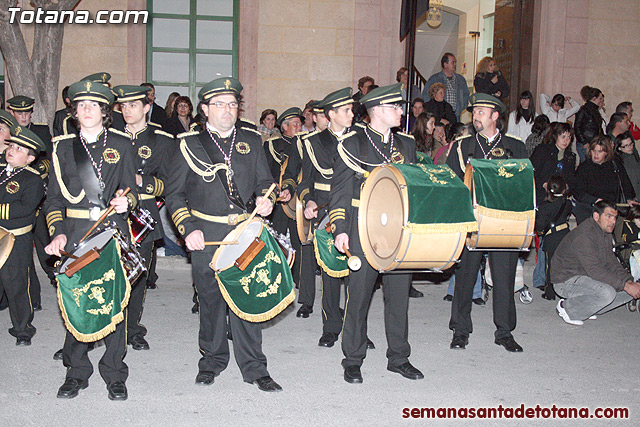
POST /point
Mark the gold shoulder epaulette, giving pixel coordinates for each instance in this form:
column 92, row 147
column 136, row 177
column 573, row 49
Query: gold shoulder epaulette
column 514, row 137
column 304, row 132
column 406, row 134
column 40, row 124
column 308, row 134
column 361, row 125
column 347, row 135
column 32, row 170
column 154, row 124
column 190, row 133
column 193, row 125
column 161, row 132
column 242, row 119
column 119, row 132
column 273, row 138
column 62, row 137
column 251, row 130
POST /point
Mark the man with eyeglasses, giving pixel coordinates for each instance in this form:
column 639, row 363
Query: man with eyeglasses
column 360, row 151
column 206, row 205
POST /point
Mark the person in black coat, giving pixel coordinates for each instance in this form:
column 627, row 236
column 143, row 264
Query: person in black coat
column 489, row 79
column 438, row 106
column 588, row 122
column 554, row 157
column 600, row 177
column 157, row 114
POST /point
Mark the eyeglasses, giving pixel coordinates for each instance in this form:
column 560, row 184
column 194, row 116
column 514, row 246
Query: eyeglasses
column 233, row 105
column 626, row 145
column 394, row 106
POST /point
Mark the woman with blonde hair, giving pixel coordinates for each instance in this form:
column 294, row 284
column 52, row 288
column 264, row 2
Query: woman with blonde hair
column 438, row 106
column 170, row 101
column 489, row 79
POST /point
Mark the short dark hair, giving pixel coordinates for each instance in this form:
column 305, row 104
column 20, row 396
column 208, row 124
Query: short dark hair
column 105, row 109
column 555, row 130
column 624, row 106
column 149, row 85
column 614, row 120
column 400, row 72
column 266, row 112
column 365, row 79
column 634, row 212
column 556, row 187
column 445, row 58
column 558, row 99
column 599, row 207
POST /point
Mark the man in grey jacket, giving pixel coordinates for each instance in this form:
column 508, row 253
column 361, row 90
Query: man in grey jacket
column 457, row 93
column 586, row 272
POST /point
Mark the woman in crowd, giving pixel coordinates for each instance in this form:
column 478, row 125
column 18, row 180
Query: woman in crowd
column 489, row 79
column 439, row 137
column 168, row 108
column 423, row 132
column 438, row 106
column 182, row 117
column 417, row 108
column 453, row 132
column 521, row 119
column 628, row 155
column 267, row 126
column 554, row 108
column 538, row 130
column 589, row 121
column 600, row 178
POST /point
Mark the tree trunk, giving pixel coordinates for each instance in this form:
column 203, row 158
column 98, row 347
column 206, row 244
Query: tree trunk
column 38, row 76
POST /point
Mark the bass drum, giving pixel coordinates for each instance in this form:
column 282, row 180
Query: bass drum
column 395, row 235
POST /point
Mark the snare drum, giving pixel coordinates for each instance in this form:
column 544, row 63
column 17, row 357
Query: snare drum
column 414, row 217
column 304, row 226
column 132, row 262
column 7, row 240
column 254, row 276
column 289, row 207
column 142, row 223
column 503, row 194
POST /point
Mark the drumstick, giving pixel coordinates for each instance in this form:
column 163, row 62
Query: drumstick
column 104, row 215
column 354, row 262
column 317, row 208
column 244, row 224
column 67, row 254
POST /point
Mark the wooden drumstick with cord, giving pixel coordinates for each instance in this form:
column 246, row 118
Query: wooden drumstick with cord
column 245, row 224
column 353, row 262
column 104, row 215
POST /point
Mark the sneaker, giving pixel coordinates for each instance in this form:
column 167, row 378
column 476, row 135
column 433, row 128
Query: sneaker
column 563, row 313
column 594, row 317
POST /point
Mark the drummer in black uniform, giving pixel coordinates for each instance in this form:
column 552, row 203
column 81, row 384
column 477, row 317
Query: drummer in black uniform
column 21, row 107
column 333, row 117
column 21, row 190
column 90, row 171
column 488, row 143
column 152, row 147
column 214, row 174
column 359, row 152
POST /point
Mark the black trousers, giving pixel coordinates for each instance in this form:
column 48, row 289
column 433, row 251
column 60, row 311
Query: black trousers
column 138, row 294
column 111, row 366
column 152, row 276
column 331, row 315
column 306, row 266
column 503, row 273
column 396, row 303
column 40, row 239
column 212, row 337
column 14, row 280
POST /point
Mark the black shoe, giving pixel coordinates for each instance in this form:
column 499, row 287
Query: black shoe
column 138, row 343
column 318, row 271
column 71, row 387
column 414, row 293
column 57, row 355
column 478, row 301
column 407, row 370
column 37, row 306
column 448, row 297
column 205, row 377
column 509, row 344
column 352, row 374
column 328, row 339
column 267, row 384
column 459, row 342
column 151, row 285
column 304, row 311
column 117, row 391
column 195, row 309
column 370, row 345
column 53, row 282
column 23, row 341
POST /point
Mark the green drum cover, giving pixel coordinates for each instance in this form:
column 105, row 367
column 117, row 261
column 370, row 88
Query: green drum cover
column 504, row 185
column 333, row 262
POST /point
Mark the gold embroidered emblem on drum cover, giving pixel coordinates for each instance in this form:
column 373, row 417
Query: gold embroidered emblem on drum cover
column 262, row 275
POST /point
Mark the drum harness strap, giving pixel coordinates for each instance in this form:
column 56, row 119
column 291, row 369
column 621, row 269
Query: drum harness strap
column 22, row 230
column 89, row 172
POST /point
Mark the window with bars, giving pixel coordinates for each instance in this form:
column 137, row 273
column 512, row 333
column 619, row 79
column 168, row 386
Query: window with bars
column 189, row 43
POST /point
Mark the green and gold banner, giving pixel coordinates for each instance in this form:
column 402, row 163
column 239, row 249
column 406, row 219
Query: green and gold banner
column 504, row 185
column 423, row 158
column 92, row 301
column 329, row 259
column 439, row 202
column 264, row 288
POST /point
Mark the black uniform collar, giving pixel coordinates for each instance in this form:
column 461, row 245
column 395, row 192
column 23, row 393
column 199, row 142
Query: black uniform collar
column 98, row 137
column 134, row 136
column 288, row 139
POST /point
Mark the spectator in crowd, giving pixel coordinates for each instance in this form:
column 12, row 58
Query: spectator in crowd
column 438, row 106
column 182, row 117
column 540, row 125
column 308, row 125
column 627, row 108
column 489, row 79
column 156, row 114
column 364, row 84
column 423, row 132
column 589, row 121
column 267, row 126
column 627, row 154
column 599, row 177
column 417, row 108
column 585, row 271
column 402, row 76
column 453, row 132
column 170, row 102
column 521, row 119
column 439, row 137
column 618, row 124
column 627, row 235
column 457, row 92
column 554, row 108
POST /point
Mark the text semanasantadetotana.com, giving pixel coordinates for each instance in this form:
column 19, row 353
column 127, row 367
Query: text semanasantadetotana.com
column 517, row 412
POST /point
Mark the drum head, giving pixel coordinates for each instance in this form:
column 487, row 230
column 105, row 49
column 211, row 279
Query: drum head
column 226, row 255
column 98, row 241
column 6, row 245
column 304, row 226
column 383, row 212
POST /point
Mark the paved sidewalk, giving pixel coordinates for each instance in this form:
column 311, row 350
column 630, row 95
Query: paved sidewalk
column 592, row 366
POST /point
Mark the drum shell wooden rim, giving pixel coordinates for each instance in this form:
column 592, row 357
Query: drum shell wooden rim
column 7, row 241
column 433, row 251
column 303, row 225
